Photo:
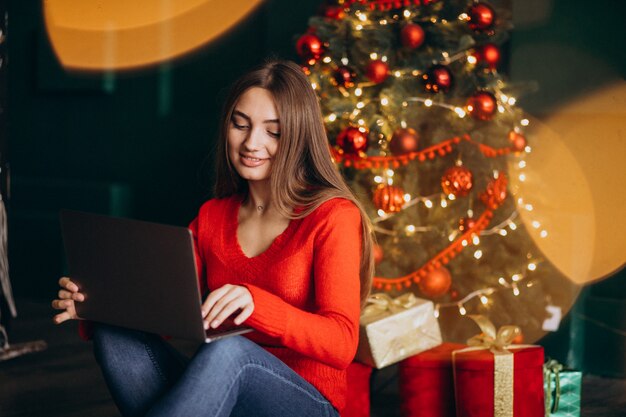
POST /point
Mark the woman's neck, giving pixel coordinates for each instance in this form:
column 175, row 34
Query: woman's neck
column 259, row 198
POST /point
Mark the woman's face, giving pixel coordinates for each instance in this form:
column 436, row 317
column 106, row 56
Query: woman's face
column 253, row 134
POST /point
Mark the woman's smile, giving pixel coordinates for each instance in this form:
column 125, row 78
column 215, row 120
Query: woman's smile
column 252, row 162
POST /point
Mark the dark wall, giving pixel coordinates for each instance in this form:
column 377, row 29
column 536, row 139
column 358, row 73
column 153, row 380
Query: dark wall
column 136, row 144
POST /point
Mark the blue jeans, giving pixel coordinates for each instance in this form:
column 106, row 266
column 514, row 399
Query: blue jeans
column 229, row 377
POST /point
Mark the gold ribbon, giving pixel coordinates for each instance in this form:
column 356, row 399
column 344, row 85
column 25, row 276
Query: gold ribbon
column 381, row 303
column 497, row 342
column 553, row 367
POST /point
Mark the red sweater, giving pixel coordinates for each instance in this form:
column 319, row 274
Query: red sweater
column 305, row 286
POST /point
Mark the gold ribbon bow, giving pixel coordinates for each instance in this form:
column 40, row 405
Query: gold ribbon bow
column 382, row 303
column 489, row 338
column 496, row 342
column 553, row 367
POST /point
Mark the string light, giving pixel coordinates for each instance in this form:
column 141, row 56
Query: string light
column 360, row 105
column 332, row 117
column 374, row 55
column 428, row 102
column 484, row 300
column 524, row 122
column 532, row 266
column 327, row 60
column 478, row 254
column 384, row 101
column 428, row 203
column 358, row 92
column 378, row 179
column 475, row 240
column 462, row 310
column 407, row 13
column 544, row 233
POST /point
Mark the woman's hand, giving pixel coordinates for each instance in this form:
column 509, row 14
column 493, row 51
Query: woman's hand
column 225, row 301
column 68, row 294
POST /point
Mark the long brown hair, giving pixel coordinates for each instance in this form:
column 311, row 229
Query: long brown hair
column 303, row 173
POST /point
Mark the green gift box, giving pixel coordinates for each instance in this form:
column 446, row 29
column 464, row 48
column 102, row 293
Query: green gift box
column 562, row 388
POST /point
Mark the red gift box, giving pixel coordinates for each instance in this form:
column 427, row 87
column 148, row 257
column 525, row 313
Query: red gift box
column 358, row 404
column 482, row 382
column 427, row 384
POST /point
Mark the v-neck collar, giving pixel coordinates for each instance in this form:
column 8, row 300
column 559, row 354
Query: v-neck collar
column 236, row 253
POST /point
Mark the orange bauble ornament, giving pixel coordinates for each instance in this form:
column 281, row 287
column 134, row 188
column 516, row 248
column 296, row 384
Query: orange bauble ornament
column 518, row 141
column 389, row 198
column 457, row 181
column 436, row 283
column 519, row 339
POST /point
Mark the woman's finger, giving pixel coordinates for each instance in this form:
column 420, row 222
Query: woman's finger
column 60, row 318
column 62, row 304
column 66, row 283
column 65, row 294
column 213, row 297
column 218, row 306
column 228, row 310
column 245, row 314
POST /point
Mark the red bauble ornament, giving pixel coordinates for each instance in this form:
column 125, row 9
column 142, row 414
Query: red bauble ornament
column 377, row 71
column 481, row 17
column 378, row 254
column 389, row 198
column 466, row 223
column 404, row 141
column 489, row 55
column 412, row 36
column 482, row 105
column 457, row 181
column 334, row 12
column 309, row 46
column 436, row 283
column 518, row 141
column 495, row 194
column 437, row 78
column 353, row 140
column 344, row 76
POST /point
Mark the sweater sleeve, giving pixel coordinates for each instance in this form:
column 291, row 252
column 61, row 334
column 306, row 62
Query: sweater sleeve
column 328, row 334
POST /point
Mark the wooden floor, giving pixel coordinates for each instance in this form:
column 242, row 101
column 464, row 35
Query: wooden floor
column 64, row 380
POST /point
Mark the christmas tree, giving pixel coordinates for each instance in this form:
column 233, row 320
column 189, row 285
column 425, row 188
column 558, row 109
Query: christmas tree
column 426, row 130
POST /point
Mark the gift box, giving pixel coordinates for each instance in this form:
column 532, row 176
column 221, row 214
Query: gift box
column 493, row 378
column 358, row 404
column 426, row 383
column 394, row 329
column 562, row 390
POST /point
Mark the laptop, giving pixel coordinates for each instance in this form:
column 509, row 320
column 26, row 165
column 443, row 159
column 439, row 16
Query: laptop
column 138, row 275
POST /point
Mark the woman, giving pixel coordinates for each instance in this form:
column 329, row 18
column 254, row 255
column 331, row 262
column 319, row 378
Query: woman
column 284, row 248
